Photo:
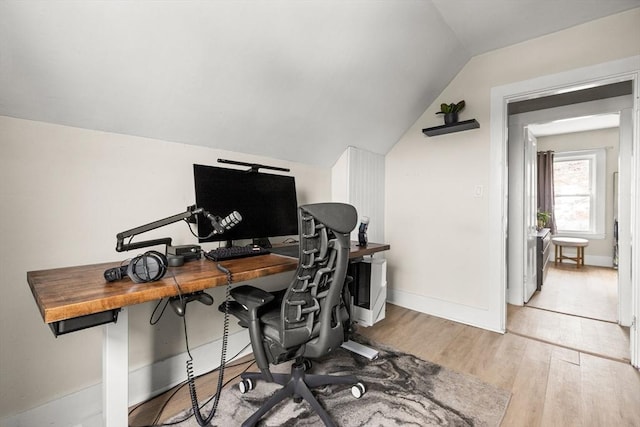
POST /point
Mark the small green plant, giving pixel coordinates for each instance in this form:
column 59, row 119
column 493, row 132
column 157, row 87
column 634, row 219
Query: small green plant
column 451, row 108
column 543, row 219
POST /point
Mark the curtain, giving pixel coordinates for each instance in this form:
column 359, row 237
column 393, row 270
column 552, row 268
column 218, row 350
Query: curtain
column 545, row 187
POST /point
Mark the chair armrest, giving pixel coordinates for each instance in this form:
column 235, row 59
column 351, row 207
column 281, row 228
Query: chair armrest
column 248, row 300
column 251, row 297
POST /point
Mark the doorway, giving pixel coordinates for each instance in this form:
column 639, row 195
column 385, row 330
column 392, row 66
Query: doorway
column 585, row 153
column 558, row 126
column 532, row 90
column 566, row 291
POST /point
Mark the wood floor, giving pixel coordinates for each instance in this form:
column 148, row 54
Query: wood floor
column 590, row 336
column 550, row 385
column 562, row 384
column 576, row 309
column 587, row 292
column 161, row 408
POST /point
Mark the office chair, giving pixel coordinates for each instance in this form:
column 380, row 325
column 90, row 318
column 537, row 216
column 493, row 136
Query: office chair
column 307, row 319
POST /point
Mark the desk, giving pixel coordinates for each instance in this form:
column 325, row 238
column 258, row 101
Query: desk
column 72, row 292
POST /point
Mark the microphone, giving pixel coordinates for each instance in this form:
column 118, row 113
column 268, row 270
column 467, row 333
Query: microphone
column 362, row 231
column 224, row 224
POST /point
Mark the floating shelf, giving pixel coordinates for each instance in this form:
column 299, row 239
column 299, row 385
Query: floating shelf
column 455, row 127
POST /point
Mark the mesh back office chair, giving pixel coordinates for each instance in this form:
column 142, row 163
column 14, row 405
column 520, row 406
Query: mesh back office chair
column 306, row 321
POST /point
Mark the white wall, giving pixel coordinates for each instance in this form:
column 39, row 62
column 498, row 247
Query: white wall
column 437, row 221
column 66, row 193
column 358, row 178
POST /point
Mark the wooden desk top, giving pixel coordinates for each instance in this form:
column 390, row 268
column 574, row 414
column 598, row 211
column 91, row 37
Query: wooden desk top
column 65, row 293
column 370, row 249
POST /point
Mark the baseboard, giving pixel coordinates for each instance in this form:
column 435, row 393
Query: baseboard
column 79, row 409
column 598, row 261
column 84, row 407
column 150, row 380
column 468, row 315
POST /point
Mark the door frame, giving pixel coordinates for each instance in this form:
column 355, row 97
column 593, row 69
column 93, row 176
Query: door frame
column 529, row 212
column 501, row 96
column 518, row 123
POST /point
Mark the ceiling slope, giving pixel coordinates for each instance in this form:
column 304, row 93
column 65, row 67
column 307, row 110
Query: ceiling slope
column 293, row 80
column 485, row 25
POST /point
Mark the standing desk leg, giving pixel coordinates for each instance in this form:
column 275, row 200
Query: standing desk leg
column 115, row 372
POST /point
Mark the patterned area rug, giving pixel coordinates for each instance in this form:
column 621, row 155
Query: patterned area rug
column 402, row 390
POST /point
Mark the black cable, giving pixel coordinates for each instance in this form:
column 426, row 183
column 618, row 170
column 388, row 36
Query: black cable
column 249, row 364
column 179, row 387
column 190, row 378
column 155, row 322
column 196, row 235
column 191, row 229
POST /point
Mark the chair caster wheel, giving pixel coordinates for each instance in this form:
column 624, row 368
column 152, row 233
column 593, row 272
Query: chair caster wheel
column 245, row 385
column 358, row 390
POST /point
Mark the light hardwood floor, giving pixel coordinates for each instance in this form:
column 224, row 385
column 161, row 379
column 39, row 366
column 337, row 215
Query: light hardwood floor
column 550, row 385
column 577, row 309
column 590, row 336
column 587, row 292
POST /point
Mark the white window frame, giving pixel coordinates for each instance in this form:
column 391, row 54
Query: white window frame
column 598, row 166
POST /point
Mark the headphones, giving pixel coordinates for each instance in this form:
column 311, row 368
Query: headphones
column 148, row 267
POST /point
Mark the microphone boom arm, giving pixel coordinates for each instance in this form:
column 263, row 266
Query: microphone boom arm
column 121, row 246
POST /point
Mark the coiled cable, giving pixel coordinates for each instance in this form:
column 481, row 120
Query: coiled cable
column 202, row 421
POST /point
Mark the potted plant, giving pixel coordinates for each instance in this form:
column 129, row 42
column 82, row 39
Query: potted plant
column 451, row 111
column 543, row 219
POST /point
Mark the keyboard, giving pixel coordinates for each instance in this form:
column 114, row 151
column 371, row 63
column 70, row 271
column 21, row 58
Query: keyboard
column 221, row 254
column 287, row 250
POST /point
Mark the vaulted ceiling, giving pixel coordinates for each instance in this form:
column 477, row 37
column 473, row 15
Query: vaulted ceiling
column 290, row 79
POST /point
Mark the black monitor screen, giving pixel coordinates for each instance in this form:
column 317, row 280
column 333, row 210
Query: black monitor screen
column 267, row 202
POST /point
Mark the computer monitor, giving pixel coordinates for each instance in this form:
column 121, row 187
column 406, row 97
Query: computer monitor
column 267, row 202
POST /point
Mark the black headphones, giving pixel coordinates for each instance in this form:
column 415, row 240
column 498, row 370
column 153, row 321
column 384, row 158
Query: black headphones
column 148, row 267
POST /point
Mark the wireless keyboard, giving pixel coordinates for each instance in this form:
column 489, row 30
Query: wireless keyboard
column 221, row 254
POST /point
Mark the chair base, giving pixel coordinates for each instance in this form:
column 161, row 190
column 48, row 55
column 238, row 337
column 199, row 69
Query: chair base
column 297, row 385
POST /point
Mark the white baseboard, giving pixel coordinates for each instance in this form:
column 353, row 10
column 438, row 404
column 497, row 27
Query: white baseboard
column 79, row 409
column 161, row 376
column 84, row 407
column 473, row 316
column 598, row 261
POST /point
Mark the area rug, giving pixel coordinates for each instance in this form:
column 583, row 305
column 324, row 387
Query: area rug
column 402, row 390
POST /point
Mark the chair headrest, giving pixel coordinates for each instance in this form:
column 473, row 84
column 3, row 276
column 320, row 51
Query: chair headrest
column 340, row 217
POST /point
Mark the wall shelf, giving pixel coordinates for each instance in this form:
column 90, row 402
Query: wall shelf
column 455, row 127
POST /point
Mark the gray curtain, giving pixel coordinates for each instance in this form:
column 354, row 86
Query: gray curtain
column 545, row 186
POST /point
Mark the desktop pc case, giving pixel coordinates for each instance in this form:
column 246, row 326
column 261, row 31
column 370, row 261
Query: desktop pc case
column 368, row 290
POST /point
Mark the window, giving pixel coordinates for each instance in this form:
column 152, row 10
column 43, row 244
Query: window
column 580, row 192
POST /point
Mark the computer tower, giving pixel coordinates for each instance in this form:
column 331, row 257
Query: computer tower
column 368, row 290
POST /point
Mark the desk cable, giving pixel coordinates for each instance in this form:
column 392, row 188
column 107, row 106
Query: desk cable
column 153, row 320
column 248, row 364
column 202, row 421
